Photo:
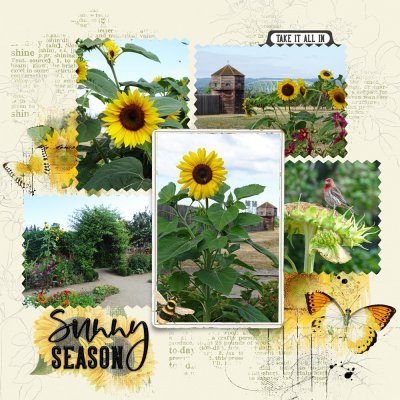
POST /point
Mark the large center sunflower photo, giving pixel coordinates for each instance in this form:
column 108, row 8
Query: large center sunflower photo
column 126, row 90
column 217, row 235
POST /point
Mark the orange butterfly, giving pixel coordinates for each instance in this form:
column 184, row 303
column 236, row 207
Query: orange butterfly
column 359, row 328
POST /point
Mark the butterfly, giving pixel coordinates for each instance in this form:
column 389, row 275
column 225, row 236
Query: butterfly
column 358, row 328
column 20, row 171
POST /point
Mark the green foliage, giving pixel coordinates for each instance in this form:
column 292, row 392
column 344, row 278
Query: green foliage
column 209, row 237
column 140, row 230
column 101, row 239
column 103, row 165
column 139, row 263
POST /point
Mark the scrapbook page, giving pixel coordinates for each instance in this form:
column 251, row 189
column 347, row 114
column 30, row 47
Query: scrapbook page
column 199, row 199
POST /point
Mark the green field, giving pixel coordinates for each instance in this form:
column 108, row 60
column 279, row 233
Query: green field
column 241, row 121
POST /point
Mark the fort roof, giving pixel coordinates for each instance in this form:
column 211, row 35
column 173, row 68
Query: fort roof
column 227, row 70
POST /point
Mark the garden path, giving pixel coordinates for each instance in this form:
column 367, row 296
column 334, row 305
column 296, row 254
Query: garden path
column 134, row 290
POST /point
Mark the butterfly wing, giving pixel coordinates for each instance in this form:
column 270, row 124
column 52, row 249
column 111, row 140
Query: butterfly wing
column 363, row 324
column 183, row 311
column 329, row 315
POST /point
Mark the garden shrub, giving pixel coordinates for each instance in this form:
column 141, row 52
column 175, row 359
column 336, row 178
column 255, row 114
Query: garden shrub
column 123, row 270
column 101, row 239
column 139, row 263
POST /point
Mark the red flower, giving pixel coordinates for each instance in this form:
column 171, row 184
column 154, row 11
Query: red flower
column 55, row 295
column 309, row 146
column 302, row 134
column 67, row 292
column 339, row 137
column 291, row 149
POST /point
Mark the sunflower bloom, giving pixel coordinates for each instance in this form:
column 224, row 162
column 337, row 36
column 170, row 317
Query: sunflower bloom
column 203, row 174
column 338, row 97
column 131, row 119
column 287, row 90
column 63, row 157
column 325, row 75
column 81, row 70
column 302, row 87
column 175, row 115
column 112, row 50
column 125, row 378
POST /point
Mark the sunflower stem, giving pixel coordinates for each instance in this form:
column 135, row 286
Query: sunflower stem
column 100, row 150
column 111, row 67
column 309, row 259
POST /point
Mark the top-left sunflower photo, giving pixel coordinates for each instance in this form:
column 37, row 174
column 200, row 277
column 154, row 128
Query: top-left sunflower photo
column 126, row 90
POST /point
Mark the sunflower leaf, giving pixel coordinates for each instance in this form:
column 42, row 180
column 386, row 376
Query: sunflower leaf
column 249, row 313
column 179, row 280
column 88, row 130
column 263, row 250
column 133, row 48
column 167, row 105
column 248, row 191
column 167, row 193
column 89, row 44
column 38, row 133
column 171, row 123
column 221, row 217
column 124, row 173
column 222, row 280
column 42, row 368
column 100, row 82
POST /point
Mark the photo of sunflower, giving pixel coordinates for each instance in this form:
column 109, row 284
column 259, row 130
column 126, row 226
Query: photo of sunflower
column 203, row 174
column 112, row 50
column 81, row 70
column 124, row 378
column 63, row 157
column 131, row 118
column 302, row 87
column 338, row 98
column 287, row 90
column 325, row 75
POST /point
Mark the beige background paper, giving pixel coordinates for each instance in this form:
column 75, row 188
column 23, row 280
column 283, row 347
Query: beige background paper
column 193, row 363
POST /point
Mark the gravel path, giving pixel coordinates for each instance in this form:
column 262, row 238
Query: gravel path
column 134, row 290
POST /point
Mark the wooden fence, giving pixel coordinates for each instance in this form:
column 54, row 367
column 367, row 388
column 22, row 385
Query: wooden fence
column 208, row 104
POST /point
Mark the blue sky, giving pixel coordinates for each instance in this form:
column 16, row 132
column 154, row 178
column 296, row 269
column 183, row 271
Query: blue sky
column 174, row 62
column 248, row 157
column 38, row 209
column 272, row 62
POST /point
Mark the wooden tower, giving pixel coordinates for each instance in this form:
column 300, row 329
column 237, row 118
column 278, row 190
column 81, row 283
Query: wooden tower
column 268, row 212
column 228, row 83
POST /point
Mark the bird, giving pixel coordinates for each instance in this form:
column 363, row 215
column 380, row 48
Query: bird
column 333, row 196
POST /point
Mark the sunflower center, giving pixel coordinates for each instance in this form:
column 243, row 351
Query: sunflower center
column 202, row 174
column 327, row 73
column 122, row 344
column 287, row 89
column 132, row 117
column 77, row 70
column 112, row 53
column 339, row 97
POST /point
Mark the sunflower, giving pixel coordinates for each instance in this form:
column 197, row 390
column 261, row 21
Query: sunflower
column 338, row 97
column 81, row 70
column 325, row 75
column 125, row 378
column 112, row 50
column 175, row 115
column 202, row 174
column 131, row 119
column 45, row 326
column 157, row 79
column 302, row 87
column 63, row 157
column 287, row 90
